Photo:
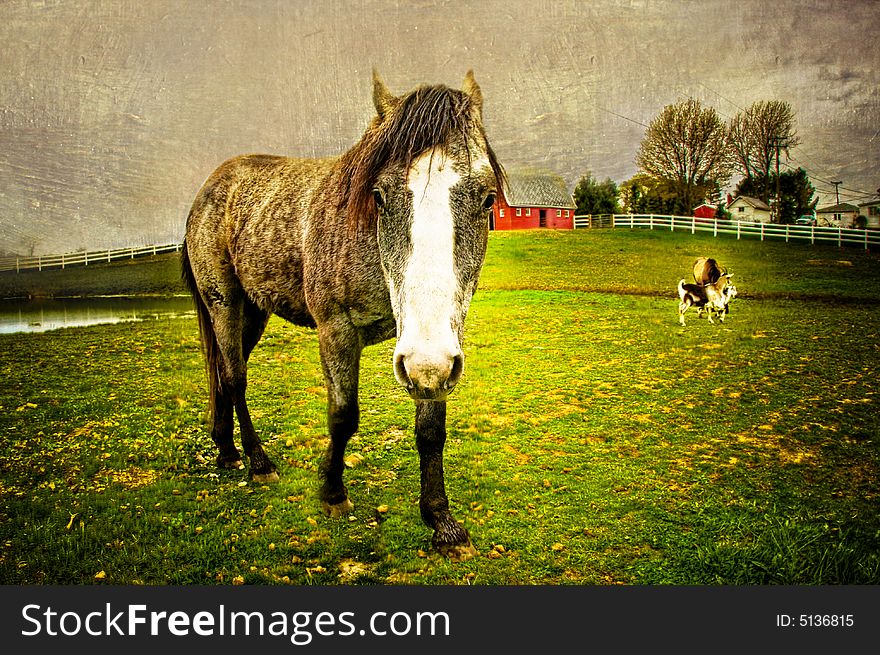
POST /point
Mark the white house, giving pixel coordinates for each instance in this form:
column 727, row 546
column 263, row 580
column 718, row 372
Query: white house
column 750, row 210
column 842, row 215
column 871, row 211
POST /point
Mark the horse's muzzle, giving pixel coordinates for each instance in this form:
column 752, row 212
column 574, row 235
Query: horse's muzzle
column 428, row 376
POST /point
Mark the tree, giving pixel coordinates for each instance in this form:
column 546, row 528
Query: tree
column 594, row 197
column 754, row 136
column 795, row 190
column 686, row 147
column 644, row 194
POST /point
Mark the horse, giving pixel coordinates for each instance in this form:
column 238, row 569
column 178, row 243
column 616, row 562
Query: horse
column 386, row 240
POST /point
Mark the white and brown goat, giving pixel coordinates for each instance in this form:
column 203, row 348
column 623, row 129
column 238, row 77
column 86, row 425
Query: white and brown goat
column 705, row 298
column 712, row 291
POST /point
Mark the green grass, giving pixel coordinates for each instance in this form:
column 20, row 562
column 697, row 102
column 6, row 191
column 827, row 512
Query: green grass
column 592, row 440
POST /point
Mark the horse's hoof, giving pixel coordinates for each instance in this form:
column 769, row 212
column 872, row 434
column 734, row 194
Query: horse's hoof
column 337, row 510
column 458, row 552
column 235, row 464
column 271, row 476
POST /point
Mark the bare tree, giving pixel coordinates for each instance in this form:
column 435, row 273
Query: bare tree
column 686, row 146
column 755, row 135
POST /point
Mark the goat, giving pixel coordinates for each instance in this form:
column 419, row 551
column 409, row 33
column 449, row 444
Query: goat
column 707, row 271
column 705, row 297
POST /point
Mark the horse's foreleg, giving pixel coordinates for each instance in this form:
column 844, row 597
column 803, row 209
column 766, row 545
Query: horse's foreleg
column 450, row 537
column 340, row 359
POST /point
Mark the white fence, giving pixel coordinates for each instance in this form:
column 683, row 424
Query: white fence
column 44, row 262
column 764, row 231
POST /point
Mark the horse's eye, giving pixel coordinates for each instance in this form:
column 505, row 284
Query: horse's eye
column 379, row 197
column 489, row 201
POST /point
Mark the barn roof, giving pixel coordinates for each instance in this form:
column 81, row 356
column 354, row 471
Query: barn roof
column 534, row 187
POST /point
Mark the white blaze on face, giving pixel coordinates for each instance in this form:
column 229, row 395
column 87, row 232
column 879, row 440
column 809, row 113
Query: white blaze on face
column 428, row 358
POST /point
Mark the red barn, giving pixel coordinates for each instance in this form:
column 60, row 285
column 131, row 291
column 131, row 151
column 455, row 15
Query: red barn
column 533, row 198
column 704, row 211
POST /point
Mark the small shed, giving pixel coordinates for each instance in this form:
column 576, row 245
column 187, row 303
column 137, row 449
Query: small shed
column 752, row 210
column 533, row 198
column 704, row 211
column 842, row 215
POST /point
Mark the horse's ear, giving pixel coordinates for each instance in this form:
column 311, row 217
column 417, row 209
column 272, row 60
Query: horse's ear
column 472, row 90
column 382, row 98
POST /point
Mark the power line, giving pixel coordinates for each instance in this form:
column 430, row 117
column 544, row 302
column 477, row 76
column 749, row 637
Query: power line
column 835, row 184
column 803, row 160
column 626, row 118
column 721, row 96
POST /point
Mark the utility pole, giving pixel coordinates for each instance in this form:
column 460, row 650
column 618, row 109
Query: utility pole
column 837, row 191
column 778, row 208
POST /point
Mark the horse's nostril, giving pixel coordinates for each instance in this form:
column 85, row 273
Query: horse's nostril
column 457, row 370
column 401, row 373
column 428, row 376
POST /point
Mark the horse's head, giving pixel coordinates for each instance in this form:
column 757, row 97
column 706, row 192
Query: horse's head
column 432, row 202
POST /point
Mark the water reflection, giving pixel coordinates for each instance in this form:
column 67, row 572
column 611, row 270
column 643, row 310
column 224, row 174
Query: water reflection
column 42, row 315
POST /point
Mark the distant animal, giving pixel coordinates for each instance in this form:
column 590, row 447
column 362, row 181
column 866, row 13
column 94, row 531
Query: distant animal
column 386, row 240
column 706, row 298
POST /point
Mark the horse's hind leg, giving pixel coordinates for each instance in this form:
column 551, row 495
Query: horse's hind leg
column 262, row 468
column 223, row 414
column 238, row 326
column 340, row 359
column 450, row 537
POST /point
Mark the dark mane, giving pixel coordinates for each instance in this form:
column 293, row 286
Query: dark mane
column 426, row 117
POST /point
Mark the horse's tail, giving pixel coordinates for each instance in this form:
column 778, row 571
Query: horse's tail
column 206, row 330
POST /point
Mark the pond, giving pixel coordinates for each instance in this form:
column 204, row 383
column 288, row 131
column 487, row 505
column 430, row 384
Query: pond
column 45, row 314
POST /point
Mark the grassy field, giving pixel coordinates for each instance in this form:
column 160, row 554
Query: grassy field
column 592, row 439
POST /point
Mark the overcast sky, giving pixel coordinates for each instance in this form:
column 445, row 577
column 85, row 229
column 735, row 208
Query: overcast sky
column 112, row 113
